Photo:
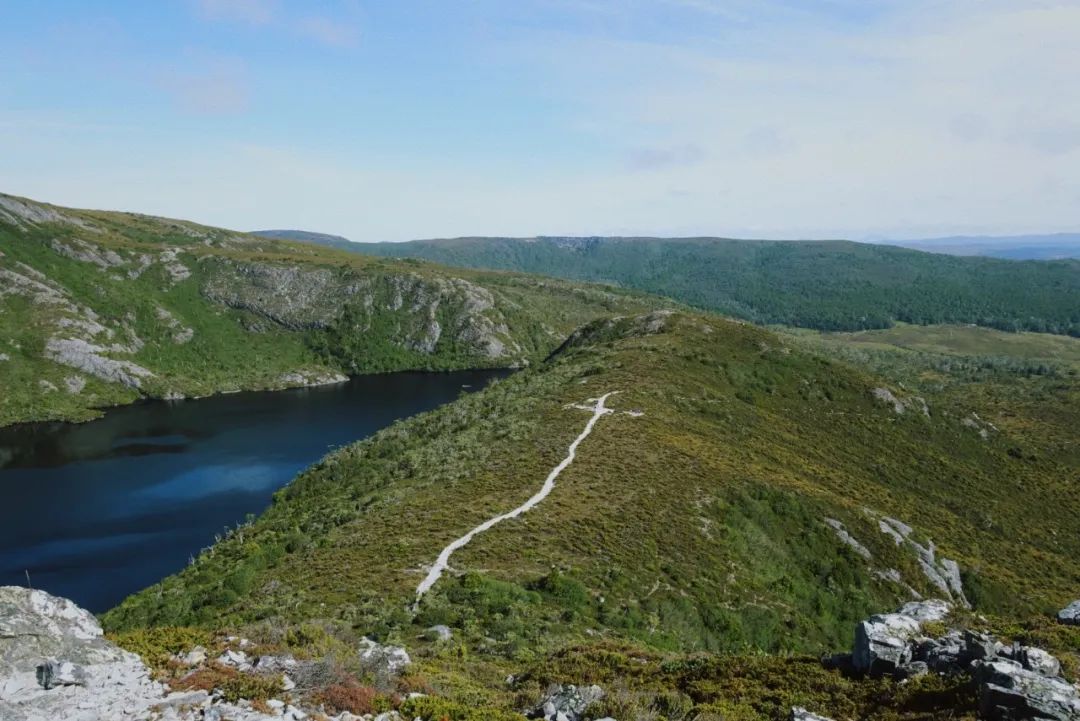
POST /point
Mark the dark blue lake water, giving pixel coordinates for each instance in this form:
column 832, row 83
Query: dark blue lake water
column 96, row 511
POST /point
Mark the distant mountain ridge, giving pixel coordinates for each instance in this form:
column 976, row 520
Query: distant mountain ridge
column 1012, row 247
column 304, row 236
column 826, row 285
column 1050, row 246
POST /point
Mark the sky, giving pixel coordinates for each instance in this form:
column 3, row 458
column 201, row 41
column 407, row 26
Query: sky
column 399, row 119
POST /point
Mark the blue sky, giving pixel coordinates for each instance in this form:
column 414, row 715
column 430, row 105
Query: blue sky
column 404, row 119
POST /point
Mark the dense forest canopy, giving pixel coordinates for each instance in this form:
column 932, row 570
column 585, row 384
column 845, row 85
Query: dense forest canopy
column 826, row 285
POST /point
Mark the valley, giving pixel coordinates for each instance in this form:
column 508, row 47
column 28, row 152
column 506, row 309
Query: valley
column 658, row 497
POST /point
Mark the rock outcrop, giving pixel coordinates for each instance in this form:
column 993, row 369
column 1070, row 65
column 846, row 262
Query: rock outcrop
column 1010, row 692
column 1014, row 682
column 800, row 714
column 55, row 664
column 89, row 358
column 885, row 643
column 1070, row 615
column 383, row 660
column 566, row 702
column 418, row 312
column 309, row 378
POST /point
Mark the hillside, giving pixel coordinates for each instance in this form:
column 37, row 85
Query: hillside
column 102, row 308
column 304, row 236
column 826, row 285
column 744, row 494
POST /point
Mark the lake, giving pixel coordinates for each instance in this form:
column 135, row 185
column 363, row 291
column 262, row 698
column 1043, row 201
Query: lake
column 99, row 510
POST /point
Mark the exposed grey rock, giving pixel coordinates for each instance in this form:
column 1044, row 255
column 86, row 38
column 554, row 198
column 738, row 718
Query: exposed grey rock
column 943, row 655
column 1070, row 615
column 1009, row 692
column 943, row 573
column 1038, row 661
column 901, row 405
column 4, row 357
column 312, row 378
column 194, row 657
column 74, row 384
column 847, row 539
column 980, row 646
column 20, row 212
column 424, row 311
column 886, row 396
column 87, row 357
column 440, row 633
column 52, row 673
column 176, row 270
column 382, row 659
column 55, row 665
column 85, row 252
column 235, row 659
column 275, row 664
column 800, row 714
column 883, row 642
column 897, row 530
column 37, row 289
column 932, row 609
column 566, row 702
column 181, row 333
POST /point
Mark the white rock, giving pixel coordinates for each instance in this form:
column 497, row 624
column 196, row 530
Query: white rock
column 194, row 657
column 385, row 659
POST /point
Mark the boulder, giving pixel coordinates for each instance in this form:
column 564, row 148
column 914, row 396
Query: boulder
column 1070, row 615
column 276, row 664
column 800, row 714
column 980, row 646
column 942, row 655
column 439, row 633
column 56, row 664
column 566, row 702
column 194, row 657
column 1010, row 692
column 885, row 644
column 932, row 609
column 235, row 659
column 383, row 659
column 1038, row 661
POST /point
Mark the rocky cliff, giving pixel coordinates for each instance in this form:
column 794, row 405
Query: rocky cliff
column 99, row 308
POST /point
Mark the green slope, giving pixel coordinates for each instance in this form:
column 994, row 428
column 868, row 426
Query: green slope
column 100, row 308
column 699, row 524
column 827, row 285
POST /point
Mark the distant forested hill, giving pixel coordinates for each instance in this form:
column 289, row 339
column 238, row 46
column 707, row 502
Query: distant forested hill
column 827, row 285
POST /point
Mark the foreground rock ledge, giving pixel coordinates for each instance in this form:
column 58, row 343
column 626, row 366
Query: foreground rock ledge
column 55, row 664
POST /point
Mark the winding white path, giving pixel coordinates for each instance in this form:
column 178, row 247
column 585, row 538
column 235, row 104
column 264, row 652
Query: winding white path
column 549, row 483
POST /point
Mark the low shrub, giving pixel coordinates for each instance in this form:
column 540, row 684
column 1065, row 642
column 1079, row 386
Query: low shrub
column 232, row 684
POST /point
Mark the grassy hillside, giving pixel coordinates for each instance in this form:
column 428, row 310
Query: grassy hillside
column 1026, row 384
column 827, row 285
column 697, row 517
column 99, row 308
